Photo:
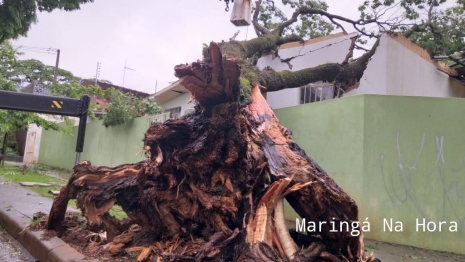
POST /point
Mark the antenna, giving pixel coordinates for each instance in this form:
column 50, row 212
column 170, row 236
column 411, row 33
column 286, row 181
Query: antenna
column 97, row 73
column 126, row 68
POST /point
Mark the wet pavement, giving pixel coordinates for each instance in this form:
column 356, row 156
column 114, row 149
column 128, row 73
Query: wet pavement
column 387, row 252
column 11, row 250
column 26, row 203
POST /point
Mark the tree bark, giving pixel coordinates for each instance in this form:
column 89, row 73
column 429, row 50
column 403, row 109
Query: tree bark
column 213, row 185
column 343, row 74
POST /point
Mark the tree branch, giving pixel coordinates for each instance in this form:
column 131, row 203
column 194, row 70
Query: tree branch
column 422, row 27
column 351, row 50
column 414, row 29
column 260, row 30
column 305, row 10
column 331, row 72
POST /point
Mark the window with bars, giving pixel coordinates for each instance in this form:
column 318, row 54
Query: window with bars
column 174, row 113
column 316, row 92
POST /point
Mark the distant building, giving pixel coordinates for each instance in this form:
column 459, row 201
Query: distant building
column 173, row 99
column 35, row 88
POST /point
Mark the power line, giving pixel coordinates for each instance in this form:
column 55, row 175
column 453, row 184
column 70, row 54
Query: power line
column 36, row 48
column 36, row 51
column 41, row 50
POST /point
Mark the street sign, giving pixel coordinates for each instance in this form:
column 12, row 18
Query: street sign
column 50, row 105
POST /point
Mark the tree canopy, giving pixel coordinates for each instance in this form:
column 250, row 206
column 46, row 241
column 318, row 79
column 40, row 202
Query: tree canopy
column 436, row 25
column 121, row 109
column 32, row 70
column 17, row 16
column 13, row 120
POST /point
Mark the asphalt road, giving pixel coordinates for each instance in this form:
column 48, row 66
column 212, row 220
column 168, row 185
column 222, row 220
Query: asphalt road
column 11, row 250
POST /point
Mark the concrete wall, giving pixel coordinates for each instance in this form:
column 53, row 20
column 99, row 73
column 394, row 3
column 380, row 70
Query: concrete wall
column 399, row 157
column 110, row 146
column 34, row 133
column 414, row 168
column 396, row 69
column 412, row 75
column 375, row 77
column 332, row 50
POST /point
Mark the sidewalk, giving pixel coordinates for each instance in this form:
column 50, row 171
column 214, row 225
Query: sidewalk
column 17, row 206
column 387, row 252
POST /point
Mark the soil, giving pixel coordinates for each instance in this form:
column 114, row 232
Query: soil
column 78, row 236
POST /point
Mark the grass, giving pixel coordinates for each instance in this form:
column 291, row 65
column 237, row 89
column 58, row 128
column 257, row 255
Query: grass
column 14, row 174
column 372, row 246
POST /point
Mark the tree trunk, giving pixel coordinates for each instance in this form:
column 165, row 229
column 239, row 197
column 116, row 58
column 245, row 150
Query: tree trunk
column 213, row 185
column 2, row 155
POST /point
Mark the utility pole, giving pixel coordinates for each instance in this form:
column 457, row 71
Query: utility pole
column 97, row 73
column 126, row 68
column 56, row 66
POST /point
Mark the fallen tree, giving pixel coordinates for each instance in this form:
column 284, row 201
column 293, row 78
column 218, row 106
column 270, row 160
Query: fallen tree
column 213, row 185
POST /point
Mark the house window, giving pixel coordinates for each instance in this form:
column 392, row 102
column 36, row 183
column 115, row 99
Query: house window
column 174, row 113
column 315, row 92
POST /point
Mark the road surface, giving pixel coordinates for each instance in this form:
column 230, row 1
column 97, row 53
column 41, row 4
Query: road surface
column 11, row 250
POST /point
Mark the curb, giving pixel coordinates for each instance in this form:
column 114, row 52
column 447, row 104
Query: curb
column 53, row 250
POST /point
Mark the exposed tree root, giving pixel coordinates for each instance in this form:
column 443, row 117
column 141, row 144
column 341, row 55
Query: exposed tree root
column 214, row 185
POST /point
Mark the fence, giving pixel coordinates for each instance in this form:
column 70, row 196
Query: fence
column 402, row 159
column 110, row 146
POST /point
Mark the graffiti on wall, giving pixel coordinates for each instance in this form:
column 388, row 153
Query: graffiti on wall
column 440, row 176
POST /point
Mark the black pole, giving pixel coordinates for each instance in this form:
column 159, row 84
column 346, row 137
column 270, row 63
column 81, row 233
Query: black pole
column 82, row 127
column 55, row 75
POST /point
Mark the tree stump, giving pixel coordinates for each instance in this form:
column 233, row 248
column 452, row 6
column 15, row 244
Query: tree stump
column 213, row 185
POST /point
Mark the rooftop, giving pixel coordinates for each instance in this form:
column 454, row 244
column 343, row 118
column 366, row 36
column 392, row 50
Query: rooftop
column 106, row 86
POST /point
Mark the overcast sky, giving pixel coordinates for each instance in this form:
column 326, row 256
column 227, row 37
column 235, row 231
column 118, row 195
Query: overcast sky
column 152, row 35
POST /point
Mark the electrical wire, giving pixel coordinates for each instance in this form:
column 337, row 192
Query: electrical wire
column 35, row 51
column 37, row 48
column 42, row 50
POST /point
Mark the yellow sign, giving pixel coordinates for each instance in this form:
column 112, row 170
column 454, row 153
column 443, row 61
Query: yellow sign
column 56, row 104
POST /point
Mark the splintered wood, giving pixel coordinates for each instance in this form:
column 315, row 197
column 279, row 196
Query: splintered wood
column 214, row 184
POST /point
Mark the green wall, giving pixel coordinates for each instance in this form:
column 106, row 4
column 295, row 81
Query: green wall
column 414, row 168
column 398, row 157
column 332, row 134
column 110, row 146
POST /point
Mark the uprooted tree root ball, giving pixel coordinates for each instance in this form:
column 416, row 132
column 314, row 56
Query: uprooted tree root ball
column 213, row 186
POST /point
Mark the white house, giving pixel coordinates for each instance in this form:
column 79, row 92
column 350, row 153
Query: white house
column 398, row 67
column 314, row 52
column 173, row 99
column 331, row 48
